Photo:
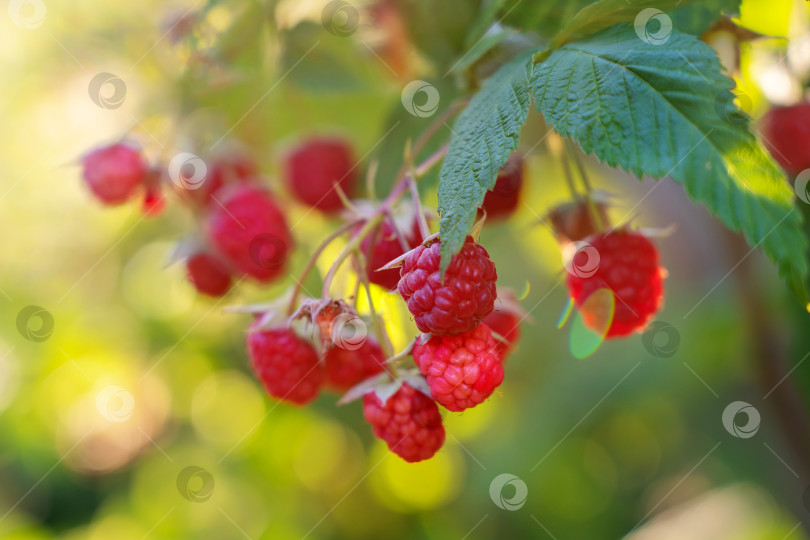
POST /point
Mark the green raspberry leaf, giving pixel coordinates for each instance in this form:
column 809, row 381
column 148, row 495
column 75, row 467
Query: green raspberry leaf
column 665, row 110
column 605, row 13
column 483, row 137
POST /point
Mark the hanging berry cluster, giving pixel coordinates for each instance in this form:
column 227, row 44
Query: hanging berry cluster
column 300, row 346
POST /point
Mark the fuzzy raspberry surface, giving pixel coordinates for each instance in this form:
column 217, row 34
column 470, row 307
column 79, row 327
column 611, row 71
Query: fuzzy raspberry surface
column 409, row 422
column 249, row 230
column 208, row 274
column 345, row 368
column 456, row 305
column 286, row 364
column 113, row 173
column 313, row 169
column 629, row 268
column 462, row 371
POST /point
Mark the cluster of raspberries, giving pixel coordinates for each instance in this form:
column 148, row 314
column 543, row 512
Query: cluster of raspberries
column 464, row 341
column 243, row 232
column 460, row 359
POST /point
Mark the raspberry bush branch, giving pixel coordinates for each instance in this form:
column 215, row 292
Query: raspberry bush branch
column 707, row 153
column 299, row 281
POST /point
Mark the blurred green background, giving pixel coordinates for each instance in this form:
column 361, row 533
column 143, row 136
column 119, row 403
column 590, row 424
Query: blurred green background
column 138, row 417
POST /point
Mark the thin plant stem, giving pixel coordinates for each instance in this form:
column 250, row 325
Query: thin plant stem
column 299, row 283
column 424, row 230
column 597, row 218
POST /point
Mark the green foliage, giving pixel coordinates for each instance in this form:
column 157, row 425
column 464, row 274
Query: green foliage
column 543, row 17
column 481, row 47
column 659, row 111
column 487, row 13
column 484, row 136
column 439, row 29
column 600, row 15
column 311, row 55
column 698, row 17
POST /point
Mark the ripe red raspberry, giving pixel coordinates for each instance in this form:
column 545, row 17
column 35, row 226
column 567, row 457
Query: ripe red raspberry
column 502, row 200
column 462, row 301
column 250, row 232
column 385, row 248
column 786, row 132
column 286, row 364
column 208, row 274
column 315, row 166
column 409, row 423
column 627, row 266
column 113, row 173
column 345, row 368
column 462, row 371
column 507, row 324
